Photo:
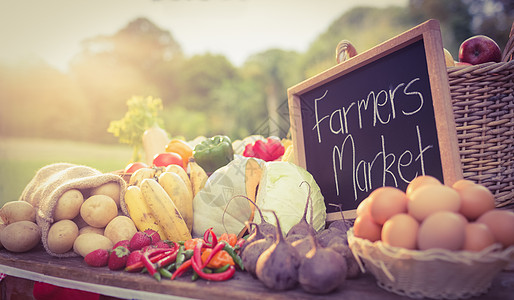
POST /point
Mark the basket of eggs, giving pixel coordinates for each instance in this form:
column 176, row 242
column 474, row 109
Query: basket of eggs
column 433, row 240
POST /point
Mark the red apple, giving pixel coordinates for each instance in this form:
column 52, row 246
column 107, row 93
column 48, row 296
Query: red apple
column 479, row 49
column 167, row 158
column 132, row 167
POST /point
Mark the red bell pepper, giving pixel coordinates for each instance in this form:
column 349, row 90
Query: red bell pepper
column 269, row 150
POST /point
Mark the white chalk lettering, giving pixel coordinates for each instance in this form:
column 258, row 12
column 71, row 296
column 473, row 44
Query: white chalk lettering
column 413, row 93
column 389, row 167
column 338, row 154
column 318, row 120
column 378, row 108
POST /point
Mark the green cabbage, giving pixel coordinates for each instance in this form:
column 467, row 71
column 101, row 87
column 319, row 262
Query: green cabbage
column 280, row 191
column 216, row 205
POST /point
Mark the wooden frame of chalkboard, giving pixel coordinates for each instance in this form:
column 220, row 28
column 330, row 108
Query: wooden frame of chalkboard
column 380, row 118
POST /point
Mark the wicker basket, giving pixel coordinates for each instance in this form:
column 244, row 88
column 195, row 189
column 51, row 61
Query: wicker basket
column 483, row 103
column 434, row 273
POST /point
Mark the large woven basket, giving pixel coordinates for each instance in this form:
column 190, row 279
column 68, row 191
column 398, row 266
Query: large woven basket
column 433, row 273
column 483, row 104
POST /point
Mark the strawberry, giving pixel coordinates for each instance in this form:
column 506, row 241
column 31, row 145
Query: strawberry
column 146, row 248
column 121, row 243
column 134, row 257
column 118, row 258
column 161, row 244
column 154, row 235
column 139, row 240
column 97, row 258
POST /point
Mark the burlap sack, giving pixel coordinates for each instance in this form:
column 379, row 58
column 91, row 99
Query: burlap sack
column 51, row 181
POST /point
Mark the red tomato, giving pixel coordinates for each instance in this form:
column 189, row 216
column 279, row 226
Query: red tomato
column 167, row 158
column 131, row 168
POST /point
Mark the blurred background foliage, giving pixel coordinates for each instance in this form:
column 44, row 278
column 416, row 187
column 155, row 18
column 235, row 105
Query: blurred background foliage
column 206, row 94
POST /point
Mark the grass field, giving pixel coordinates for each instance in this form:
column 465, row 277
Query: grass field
column 21, row 158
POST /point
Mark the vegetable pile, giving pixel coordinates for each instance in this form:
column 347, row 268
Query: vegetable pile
column 210, row 258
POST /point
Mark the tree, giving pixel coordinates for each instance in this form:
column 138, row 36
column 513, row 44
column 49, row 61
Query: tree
column 364, row 27
column 460, row 19
column 454, row 17
column 275, row 71
column 493, row 18
column 111, row 69
column 199, row 76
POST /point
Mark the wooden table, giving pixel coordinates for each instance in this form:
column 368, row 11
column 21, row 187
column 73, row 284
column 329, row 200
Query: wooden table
column 37, row 265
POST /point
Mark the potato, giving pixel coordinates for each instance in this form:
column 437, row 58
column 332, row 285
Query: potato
column 98, row 210
column 20, row 236
column 68, row 205
column 14, row 211
column 91, row 229
column 120, row 228
column 62, row 235
column 111, row 189
column 89, row 242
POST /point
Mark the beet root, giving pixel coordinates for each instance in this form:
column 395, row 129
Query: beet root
column 252, row 253
column 322, row 271
column 326, row 235
column 354, row 270
column 254, row 235
column 277, row 267
column 303, row 246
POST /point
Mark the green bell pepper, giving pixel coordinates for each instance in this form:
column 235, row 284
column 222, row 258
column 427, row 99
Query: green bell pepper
column 214, row 153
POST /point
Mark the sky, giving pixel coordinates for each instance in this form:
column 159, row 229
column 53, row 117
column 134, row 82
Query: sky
column 52, row 30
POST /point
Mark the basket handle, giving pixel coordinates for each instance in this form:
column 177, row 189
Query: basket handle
column 508, row 52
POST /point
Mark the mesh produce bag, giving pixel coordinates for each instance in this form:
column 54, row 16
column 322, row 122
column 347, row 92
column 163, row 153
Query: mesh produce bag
column 52, row 181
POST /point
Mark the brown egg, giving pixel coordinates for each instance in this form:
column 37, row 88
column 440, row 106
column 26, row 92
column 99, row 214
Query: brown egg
column 365, row 228
column 363, row 207
column 442, row 229
column 429, row 199
column 478, row 237
column 459, row 184
column 385, row 202
column 501, row 224
column 421, row 181
column 401, row 230
column 475, row 200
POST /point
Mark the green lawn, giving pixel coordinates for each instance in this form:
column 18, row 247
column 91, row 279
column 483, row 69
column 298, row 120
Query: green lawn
column 21, row 158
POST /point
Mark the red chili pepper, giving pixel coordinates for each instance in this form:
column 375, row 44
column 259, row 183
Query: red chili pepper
column 214, row 239
column 138, row 266
column 149, row 265
column 174, row 246
column 156, row 251
column 168, row 259
column 183, row 268
column 214, row 251
column 213, row 276
column 152, row 269
column 197, row 254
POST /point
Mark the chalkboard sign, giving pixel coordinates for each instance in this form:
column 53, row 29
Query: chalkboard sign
column 380, row 118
